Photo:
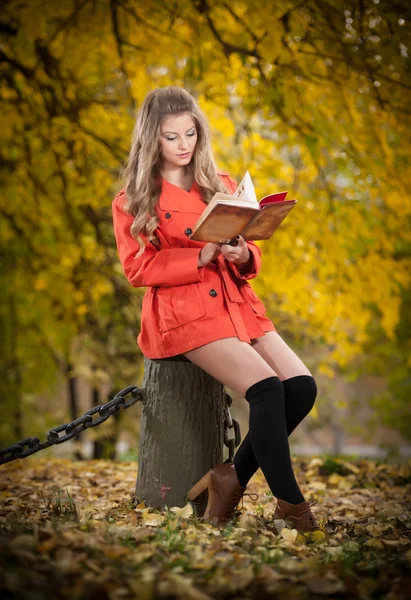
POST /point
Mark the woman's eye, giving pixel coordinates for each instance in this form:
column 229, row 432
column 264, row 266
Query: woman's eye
column 171, row 139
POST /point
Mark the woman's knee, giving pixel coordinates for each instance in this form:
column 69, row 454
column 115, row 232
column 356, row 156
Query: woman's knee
column 236, row 364
column 301, row 391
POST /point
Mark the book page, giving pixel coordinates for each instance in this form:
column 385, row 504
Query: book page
column 267, row 220
column 246, row 190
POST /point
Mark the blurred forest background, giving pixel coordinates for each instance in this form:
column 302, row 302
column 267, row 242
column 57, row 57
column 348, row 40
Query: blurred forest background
column 311, row 96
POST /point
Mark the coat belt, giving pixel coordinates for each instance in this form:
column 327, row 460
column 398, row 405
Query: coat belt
column 230, row 286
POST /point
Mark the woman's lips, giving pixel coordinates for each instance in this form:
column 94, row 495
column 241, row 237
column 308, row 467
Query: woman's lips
column 183, row 155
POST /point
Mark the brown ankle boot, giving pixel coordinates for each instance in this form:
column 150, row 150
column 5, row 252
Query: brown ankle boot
column 224, row 493
column 299, row 515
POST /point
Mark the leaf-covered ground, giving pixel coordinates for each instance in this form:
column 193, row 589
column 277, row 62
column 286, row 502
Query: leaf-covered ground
column 72, row 530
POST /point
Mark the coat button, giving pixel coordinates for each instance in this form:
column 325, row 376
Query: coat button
column 188, row 231
column 167, row 215
column 213, row 293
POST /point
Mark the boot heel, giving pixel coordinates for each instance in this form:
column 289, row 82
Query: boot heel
column 199, row 487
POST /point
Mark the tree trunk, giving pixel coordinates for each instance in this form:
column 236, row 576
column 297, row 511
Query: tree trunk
column 338, row 441
column 182, row 431
column 74, row 410
column 105, row 446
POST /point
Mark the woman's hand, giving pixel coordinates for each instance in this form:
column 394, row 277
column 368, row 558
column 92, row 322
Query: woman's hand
column 208, row 253
column 239, row 255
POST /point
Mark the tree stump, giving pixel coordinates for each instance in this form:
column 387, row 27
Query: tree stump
column 182, row 431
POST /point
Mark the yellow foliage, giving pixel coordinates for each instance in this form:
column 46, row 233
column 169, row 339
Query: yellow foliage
column 280, row 107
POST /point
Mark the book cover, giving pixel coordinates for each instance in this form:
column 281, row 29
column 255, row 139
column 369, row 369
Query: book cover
column 228, row 215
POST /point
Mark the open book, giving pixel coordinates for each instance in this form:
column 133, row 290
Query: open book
column 228, row 215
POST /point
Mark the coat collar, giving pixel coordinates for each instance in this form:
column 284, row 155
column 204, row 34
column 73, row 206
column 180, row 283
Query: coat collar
column 174, row 198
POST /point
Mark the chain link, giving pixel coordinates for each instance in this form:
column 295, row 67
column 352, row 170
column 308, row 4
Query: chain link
column 71, row 429
column 230, row 423
column 29, row 446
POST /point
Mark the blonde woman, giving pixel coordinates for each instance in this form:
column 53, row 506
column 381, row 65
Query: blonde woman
column 199, row 302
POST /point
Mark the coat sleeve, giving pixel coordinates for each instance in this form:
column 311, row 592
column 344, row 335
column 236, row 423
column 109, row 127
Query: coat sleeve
column 154, row 267
column 255, row 264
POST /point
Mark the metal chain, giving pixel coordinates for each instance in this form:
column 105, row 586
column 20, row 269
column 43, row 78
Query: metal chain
column 105, row 411
column 230, row 423
column 71, row 429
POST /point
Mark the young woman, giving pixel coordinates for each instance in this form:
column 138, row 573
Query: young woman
column 199, row 302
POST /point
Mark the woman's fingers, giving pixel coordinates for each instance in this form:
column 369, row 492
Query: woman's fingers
column 209, row 252
column 236, row 253
column 212, row 250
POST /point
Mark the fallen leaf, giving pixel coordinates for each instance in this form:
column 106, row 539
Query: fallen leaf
column 144, row 552
column 116, row 551
column 345, row 484
column 315, row 462
column 350, row 467
column 317, row 485
column 267, row 573
column 317, row 536
column 120, row 531
column 46, row 546
column 142, row 533
column 23, row 542
column 351, row 547
column 153, row 519
column 393, row 510
column 291, row 564
column 320, row 585
column 396, row 543
column 247, row 521
column 335, row 551
column 374, row 543
column 374, row 530
column 182, row 587
column 185, row 512
column 289, row 535
column 65, row 559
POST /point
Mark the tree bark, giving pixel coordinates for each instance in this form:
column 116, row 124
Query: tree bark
column 182, row 432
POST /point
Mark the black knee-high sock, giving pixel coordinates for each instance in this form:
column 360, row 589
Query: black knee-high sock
column 269, row 438
column 300, row 393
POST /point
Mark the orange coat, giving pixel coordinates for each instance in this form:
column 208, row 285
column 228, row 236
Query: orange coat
column 185, row 306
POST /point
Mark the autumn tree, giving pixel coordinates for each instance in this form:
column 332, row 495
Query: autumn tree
column 310, row 97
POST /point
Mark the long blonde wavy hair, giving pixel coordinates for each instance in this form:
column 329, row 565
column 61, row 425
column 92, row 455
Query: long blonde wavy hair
column 143, row 167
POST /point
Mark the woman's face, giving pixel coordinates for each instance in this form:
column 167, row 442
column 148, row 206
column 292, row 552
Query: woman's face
column 178, row 140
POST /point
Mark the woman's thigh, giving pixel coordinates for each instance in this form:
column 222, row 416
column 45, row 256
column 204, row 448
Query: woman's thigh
column 236, row 364
column 276, row 353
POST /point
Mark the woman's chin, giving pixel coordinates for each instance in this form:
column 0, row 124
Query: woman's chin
column 183, row 162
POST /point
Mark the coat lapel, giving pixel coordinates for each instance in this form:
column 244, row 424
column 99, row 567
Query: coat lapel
column 174, row 198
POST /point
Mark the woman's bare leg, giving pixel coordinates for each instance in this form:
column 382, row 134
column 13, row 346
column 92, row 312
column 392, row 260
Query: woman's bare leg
column 281, row 358
column 236, row 364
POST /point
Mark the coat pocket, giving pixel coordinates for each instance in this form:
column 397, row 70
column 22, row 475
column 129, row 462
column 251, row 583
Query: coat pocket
column 179, row 305
column 254, row 301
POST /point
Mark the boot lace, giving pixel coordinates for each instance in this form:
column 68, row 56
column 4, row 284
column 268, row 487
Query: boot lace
column 307, row 512
column 310, row 517
column 240, row 496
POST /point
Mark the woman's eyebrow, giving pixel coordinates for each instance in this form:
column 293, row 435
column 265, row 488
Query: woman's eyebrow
column 175, row 133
